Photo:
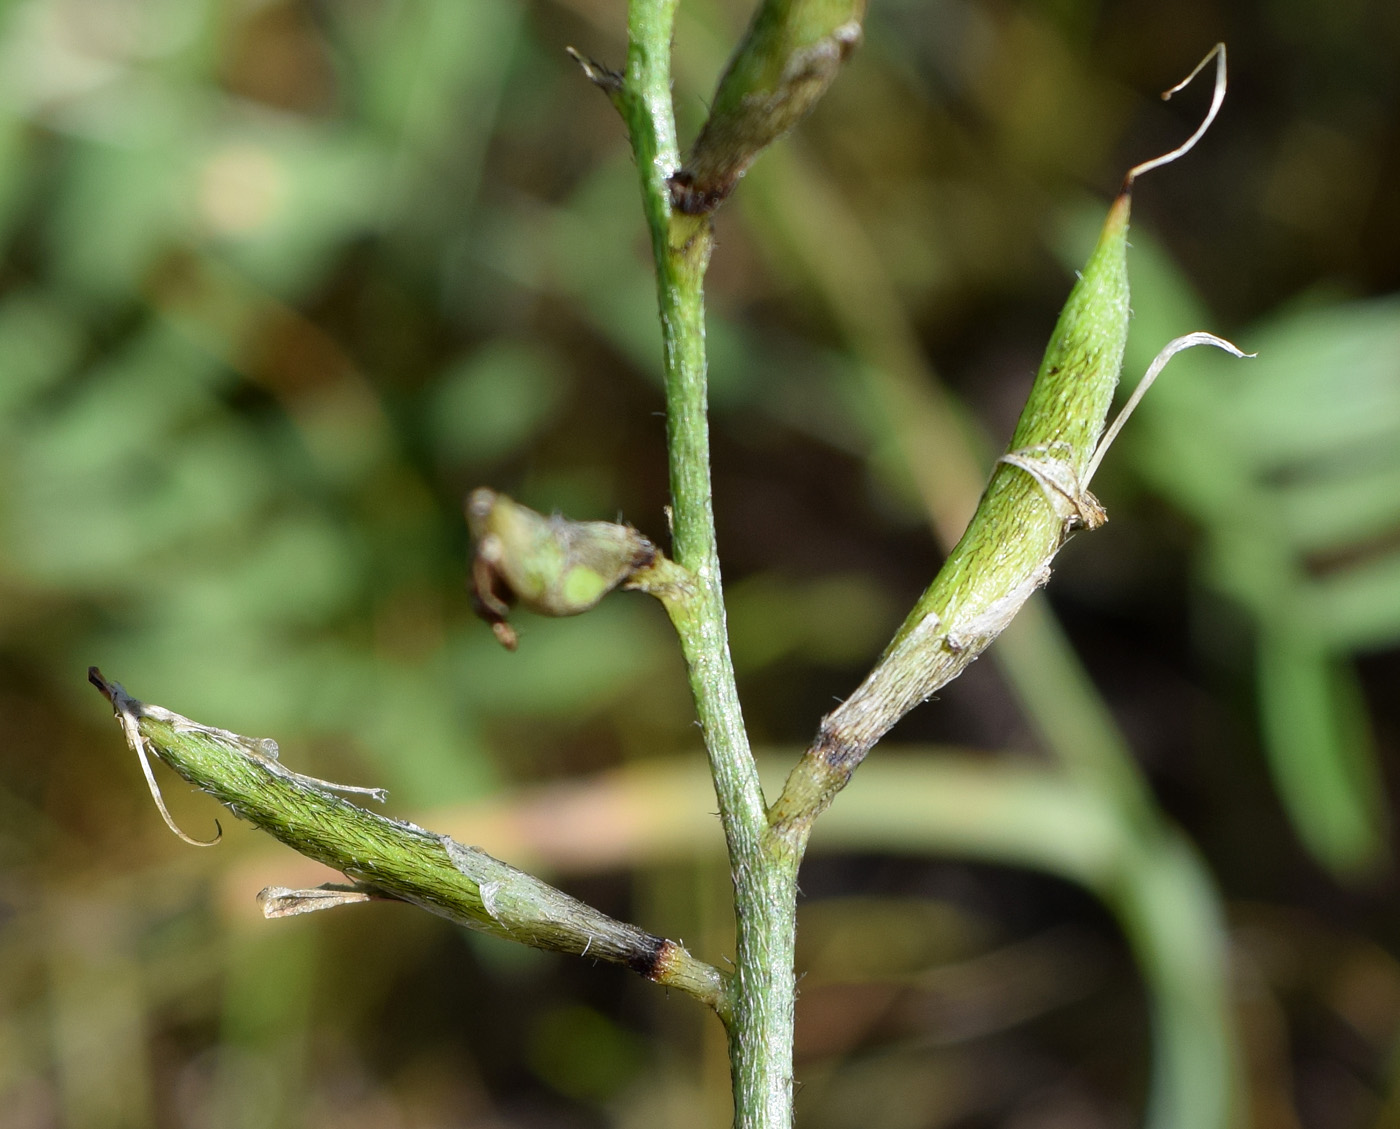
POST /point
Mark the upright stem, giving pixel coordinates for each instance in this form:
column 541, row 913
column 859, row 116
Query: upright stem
column 763, row 869
column 681, row 246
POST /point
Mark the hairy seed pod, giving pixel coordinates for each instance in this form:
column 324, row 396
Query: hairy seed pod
column 1034, row 500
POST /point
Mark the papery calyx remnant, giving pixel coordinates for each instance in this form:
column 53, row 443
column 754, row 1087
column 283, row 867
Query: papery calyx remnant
column 788, row 57
column 550, row 565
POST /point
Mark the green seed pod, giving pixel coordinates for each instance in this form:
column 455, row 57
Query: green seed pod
column 1038, row 495
column 1033, row 502
column 550, row 565
column 1073, row 389
column 787, row 59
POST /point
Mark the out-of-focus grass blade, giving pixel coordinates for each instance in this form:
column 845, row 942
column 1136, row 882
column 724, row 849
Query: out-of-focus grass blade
column 1292, row 466
column 1320, row 751
column 1360, row 607
column 1343, row 506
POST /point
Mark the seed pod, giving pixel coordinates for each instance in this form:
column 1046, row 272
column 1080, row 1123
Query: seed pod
column 550, row 565
column 787, row 59
column 1038, row 493
column 1035, row 496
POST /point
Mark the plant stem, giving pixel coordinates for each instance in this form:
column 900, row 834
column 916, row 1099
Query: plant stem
column 764, row 871
column 681, row 246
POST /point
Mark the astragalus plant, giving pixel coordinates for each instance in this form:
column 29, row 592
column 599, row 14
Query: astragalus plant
column 1038, row 496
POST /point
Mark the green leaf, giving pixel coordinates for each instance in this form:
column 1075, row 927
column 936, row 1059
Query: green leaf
column 488, row 404
column 1320, row 751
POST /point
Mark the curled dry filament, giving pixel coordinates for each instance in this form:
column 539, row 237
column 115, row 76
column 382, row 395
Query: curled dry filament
column 1217, row 98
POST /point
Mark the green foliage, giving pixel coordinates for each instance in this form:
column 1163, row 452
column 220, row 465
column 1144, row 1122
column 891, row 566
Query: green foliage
column 1291, row 467
column 584, row 1054
column 493, row 403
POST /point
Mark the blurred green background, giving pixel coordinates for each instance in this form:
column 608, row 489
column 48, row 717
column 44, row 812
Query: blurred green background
column 281, row 281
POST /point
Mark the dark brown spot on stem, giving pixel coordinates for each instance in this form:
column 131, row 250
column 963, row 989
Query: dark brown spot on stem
column 653, row 957
column 693, row 199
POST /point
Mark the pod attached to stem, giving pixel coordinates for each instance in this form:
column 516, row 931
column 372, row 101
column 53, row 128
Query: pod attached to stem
column 788, row 57
column 1037, row 497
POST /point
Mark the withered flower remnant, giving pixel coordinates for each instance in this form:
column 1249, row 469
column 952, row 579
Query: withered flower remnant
column 550, row 565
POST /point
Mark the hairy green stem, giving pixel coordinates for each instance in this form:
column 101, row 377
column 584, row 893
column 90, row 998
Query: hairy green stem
column 681, row 246
column 764, row 870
